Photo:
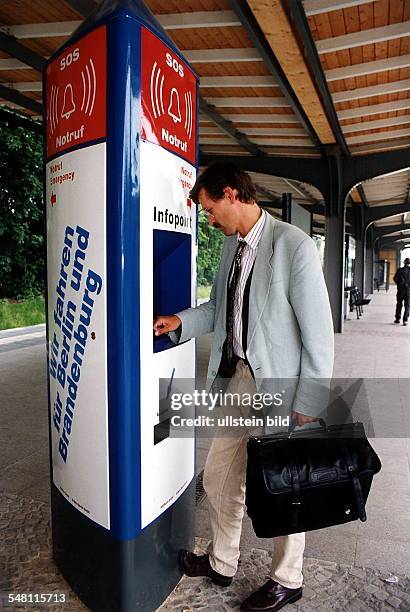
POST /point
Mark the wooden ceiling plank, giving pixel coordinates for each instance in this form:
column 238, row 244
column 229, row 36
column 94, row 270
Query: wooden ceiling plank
column 238, row 81
column 238, row 92
column 201, row 56
column 249, row 102
column 232, row 69
column 381, row 123
column 380, row 146
column 211, row 38
column 365, row 37
column 368, row 67
column 261, row 118
column 374, row 109
column 380, row 136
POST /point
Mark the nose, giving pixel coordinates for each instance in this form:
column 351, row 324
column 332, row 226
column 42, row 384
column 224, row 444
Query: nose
column 211, row 220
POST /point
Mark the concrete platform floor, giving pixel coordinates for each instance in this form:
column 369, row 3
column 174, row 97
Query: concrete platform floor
column 371, row 348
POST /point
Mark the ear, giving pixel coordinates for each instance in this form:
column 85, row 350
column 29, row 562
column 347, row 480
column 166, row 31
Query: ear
column 231, row 194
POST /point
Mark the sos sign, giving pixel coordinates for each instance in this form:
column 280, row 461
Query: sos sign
column 169, row 99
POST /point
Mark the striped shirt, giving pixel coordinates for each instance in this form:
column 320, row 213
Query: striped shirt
column 248, row 257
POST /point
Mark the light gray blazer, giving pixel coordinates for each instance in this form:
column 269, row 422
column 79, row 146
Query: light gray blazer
column 290, row 329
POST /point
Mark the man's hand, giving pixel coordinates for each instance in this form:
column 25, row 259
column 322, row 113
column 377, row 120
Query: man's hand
column 302, row 419
column 165, row 324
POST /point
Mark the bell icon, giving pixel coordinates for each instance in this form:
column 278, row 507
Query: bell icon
column 68, row 102
column 173, row 109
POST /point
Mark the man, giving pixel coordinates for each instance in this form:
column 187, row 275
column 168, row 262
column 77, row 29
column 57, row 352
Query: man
column 402, row 280
column 270, row 314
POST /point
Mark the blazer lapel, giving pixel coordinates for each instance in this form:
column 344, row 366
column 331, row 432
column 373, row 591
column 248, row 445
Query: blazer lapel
column 262, row 276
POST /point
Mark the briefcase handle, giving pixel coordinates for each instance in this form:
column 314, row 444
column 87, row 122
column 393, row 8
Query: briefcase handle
column 293, row 425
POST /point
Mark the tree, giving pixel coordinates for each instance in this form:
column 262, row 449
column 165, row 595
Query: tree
column 22, row 241
column 210, row 243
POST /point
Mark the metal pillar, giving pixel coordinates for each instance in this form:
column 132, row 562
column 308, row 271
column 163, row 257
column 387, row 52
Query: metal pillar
column 359, row 237
column 369, row 262
column 335, row 238
column 334, row 267
column 286, row 206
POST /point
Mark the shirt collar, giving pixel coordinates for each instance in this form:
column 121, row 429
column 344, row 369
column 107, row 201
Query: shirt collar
column 253, row 237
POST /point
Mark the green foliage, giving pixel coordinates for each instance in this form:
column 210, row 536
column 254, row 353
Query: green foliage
column 22, row 313
column 22, row 243
column 210, row 243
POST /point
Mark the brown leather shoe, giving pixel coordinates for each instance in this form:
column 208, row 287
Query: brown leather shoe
column 270, row 597
column 198, row 565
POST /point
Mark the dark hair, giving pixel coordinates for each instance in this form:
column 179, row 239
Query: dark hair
column 220, row 175
column 406, row 261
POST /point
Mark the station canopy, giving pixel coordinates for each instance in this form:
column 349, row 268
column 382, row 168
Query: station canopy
column 279, row 77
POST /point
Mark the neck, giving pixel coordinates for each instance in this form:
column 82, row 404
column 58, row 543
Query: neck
column 249, row 216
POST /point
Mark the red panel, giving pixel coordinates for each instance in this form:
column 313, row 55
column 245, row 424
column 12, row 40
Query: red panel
column 76, row 93
column 168, row 99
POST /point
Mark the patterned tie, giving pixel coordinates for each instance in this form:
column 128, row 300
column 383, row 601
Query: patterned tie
column 236, row 273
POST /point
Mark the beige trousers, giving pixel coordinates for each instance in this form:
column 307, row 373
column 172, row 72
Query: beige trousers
column 224, row 483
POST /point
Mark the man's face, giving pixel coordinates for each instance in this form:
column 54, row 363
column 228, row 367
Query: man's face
column 223, row 213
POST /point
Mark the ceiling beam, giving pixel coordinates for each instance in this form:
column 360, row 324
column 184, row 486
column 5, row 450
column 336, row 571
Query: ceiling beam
column 315, row 7
column 12, row 47
column 373, row 90
column 282, row 131
column 302, row 27
column 267, row 193
column 12, row 64
column 227, row 127
column 238, row 81
column 364, row 37
column 41, row 30
column 349, row 72
column 25, row 85
column 389, row 146
column 264, row 142
column 376, row 124
column 20, row 99
column 268, row 27
column 301, row 189
column 83, row 7
column 200, row 19
column 375, row 213
column 262, row 118
column 219, row 56
column 374, row 109
column 379, row 136
column 362, row 194
column 389, row 229
column 172, row 21
column 249, row 102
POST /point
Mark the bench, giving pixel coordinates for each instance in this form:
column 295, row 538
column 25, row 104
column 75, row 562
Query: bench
column 357, row 301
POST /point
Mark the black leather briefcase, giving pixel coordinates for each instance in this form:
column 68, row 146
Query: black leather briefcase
column 309, row 479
